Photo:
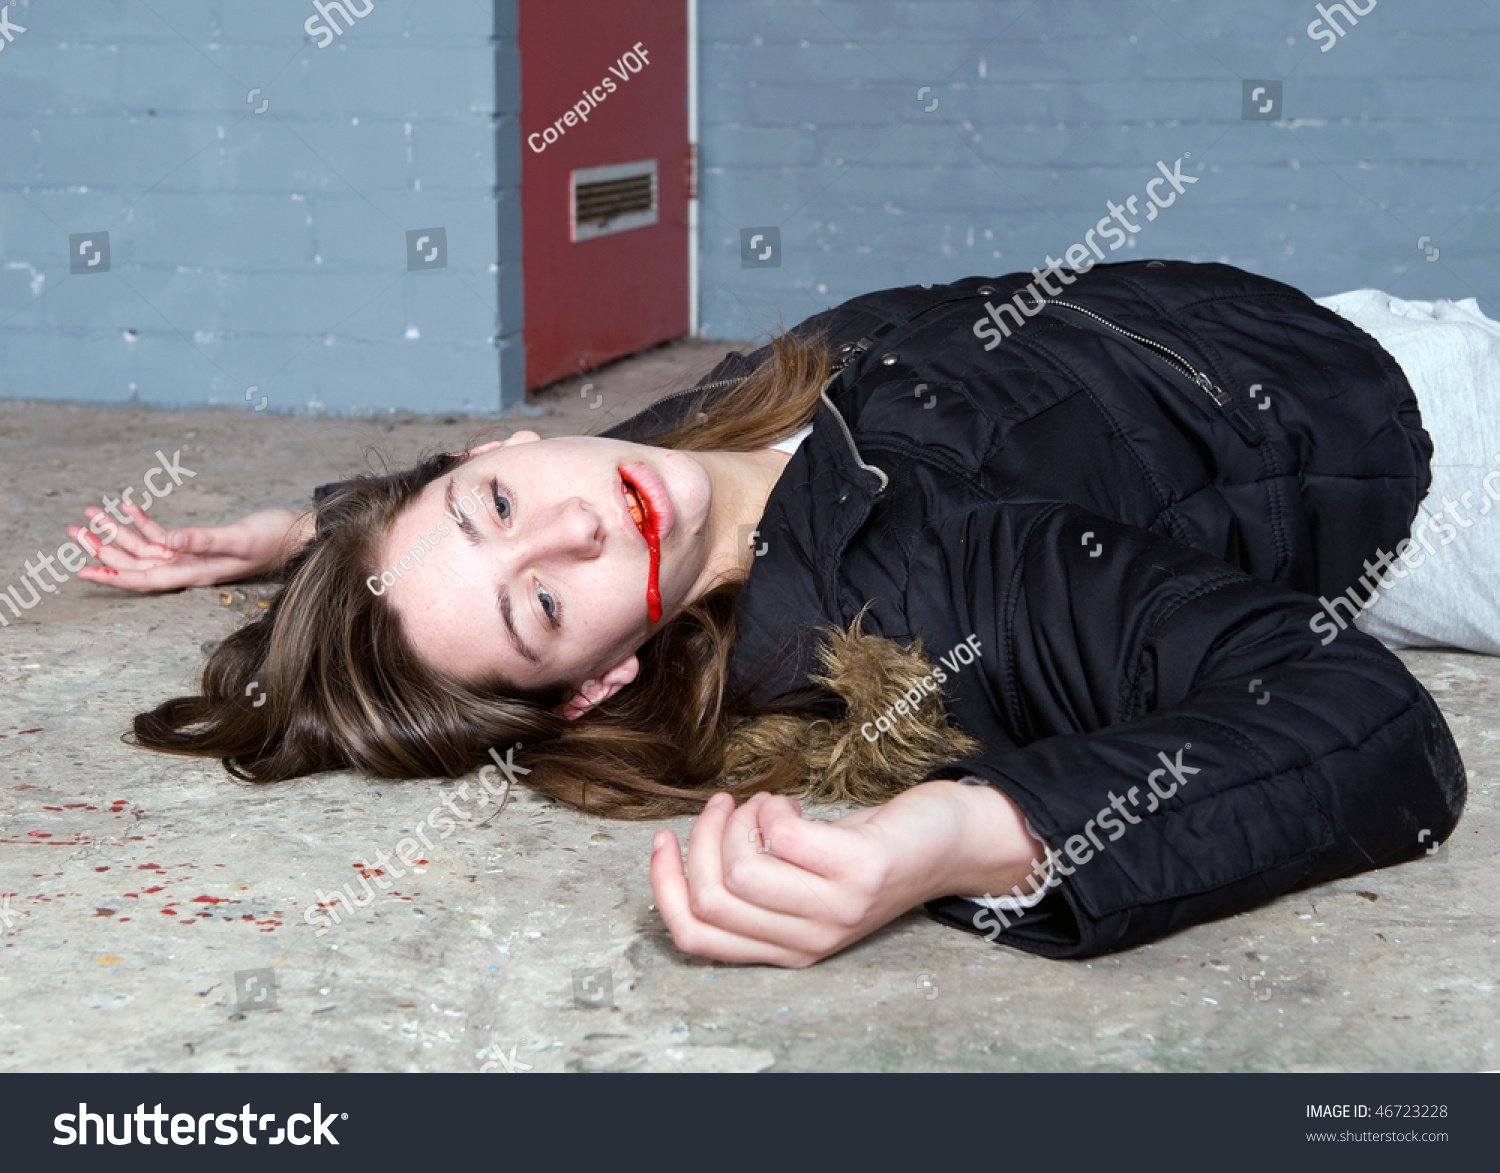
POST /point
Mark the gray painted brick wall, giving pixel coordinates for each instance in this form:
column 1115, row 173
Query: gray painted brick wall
column 261, row 249
column 810, row 122
column 270, row 249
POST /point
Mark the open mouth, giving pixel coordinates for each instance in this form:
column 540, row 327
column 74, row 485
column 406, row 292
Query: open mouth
column 639, row 510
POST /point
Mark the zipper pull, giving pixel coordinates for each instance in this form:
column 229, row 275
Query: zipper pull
column 1240, row 419
column 1215, row 392
column 850, row 351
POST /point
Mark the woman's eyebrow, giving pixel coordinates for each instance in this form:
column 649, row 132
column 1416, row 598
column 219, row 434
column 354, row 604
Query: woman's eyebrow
column 510, row 628
column 507, row 613
column 465, row 523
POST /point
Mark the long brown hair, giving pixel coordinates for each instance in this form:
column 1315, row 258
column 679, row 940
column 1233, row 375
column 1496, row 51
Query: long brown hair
column 341, row 686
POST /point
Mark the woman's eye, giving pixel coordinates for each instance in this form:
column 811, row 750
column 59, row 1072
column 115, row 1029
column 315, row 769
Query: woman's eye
column 502, row 503
column 549, row 605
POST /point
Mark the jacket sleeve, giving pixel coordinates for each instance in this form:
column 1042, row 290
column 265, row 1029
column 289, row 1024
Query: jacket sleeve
column 1184, row 739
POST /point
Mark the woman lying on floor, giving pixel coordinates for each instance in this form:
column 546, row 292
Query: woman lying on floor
column 1061, row 592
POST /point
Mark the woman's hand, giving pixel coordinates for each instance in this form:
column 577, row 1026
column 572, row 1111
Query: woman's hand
column 150, row 558
column 763, row 884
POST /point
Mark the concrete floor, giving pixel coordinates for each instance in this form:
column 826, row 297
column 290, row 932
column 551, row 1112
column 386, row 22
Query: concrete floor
column 478, row 963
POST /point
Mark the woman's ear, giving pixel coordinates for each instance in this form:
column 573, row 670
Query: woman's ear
column 595, row 692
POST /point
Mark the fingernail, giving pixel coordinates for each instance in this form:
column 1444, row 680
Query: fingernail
column 658, row 841
column 177, row 541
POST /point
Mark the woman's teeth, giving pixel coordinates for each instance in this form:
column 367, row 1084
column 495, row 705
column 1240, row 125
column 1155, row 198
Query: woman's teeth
column 637, row 513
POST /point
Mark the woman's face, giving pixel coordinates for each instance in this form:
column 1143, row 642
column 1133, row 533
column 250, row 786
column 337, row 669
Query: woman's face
column 525, row 562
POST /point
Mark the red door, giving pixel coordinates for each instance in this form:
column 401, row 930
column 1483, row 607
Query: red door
column 604, row 180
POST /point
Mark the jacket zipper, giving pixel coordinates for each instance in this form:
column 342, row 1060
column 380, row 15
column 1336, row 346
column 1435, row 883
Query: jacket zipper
column 714, row 386
column 1241, row 420
column 849, row 436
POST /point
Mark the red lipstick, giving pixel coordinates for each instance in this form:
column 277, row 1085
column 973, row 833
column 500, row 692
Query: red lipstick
column 645, row 521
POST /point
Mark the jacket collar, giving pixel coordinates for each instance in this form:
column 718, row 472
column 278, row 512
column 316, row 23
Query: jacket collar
column 822, row 498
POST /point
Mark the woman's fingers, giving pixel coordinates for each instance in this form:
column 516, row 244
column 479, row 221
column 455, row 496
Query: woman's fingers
column 824, row 849
column 139, row 575
column 156, row 578
column 91, row 542
column 855, row 818
column 704, row 870
column 753, row 872
column 711, row 901
column 763, row 884
column 131, row 541
column 110, row 553
column 143, row 556
column 690, row 932
column 149, row 529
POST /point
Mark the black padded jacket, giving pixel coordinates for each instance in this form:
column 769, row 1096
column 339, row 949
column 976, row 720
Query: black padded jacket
column 1129, row 502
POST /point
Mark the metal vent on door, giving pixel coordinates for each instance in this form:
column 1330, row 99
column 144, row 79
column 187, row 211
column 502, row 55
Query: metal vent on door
column 613, row 199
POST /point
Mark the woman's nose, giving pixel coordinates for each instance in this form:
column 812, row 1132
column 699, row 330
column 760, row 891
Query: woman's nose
column 571, row 529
